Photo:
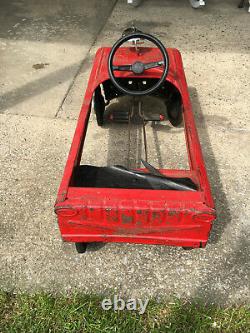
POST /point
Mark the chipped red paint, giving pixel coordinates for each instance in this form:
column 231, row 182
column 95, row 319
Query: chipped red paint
column 175, row 218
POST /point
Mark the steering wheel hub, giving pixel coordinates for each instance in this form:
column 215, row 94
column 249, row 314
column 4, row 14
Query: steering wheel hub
column 138, row 67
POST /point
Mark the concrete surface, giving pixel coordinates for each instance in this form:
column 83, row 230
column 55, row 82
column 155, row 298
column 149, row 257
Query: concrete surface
column 115, row 148
column 215, row 46
column 56, row 35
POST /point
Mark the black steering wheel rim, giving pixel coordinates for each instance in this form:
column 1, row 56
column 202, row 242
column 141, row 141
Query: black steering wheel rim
column 118, row 44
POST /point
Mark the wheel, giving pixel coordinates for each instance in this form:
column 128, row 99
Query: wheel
column 241, row 4
column 187, row 248
column 174, row 111
column 197, row 3
column 81, row 247
column 99, row 106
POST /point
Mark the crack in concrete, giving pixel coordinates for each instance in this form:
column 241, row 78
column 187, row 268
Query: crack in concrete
column 85, row 60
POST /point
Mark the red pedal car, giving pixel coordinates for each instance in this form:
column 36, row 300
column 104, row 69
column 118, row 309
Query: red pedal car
column 147, row 205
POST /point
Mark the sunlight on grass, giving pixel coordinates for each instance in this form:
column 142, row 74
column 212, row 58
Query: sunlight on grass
column 83, row 313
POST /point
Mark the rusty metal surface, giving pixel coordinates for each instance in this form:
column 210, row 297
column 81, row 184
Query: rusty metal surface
column 144, row 216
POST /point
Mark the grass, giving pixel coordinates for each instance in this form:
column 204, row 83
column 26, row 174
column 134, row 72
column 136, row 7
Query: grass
column 83, row 313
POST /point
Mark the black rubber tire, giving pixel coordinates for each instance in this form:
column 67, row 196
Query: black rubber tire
column 241, row 4
column 81, row 247
column 99, row 106
column 187, row 248
column 174, row 112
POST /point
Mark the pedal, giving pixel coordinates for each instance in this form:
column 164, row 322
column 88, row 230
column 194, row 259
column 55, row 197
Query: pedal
column 119, row 116
column 123, row 117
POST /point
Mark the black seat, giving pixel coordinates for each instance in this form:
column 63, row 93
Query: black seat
column 121, row 177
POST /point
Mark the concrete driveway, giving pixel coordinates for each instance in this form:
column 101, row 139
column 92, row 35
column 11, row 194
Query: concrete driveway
column 46, row 51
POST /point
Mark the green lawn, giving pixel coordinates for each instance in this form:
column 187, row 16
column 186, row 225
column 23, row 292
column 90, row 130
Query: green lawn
column 83, row 313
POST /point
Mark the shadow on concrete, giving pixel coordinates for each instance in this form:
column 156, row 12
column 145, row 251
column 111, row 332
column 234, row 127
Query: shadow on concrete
column 64, row 21
column 120, row 152
column 179, row 25
column 221, row 202
column 77, row 21
column 227, row 278
column 95, row 246
column 38, row 86
column 127, row 152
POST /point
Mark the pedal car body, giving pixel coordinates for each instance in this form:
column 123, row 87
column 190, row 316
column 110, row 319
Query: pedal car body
column 88, row 213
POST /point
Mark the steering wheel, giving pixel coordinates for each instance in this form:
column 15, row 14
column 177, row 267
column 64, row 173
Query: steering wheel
column 138, row 67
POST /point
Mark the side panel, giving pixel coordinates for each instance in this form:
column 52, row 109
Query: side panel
column 196, row 160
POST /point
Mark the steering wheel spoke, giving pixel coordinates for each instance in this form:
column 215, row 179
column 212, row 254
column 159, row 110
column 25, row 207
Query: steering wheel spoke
column 122, row 68
column 154, row 64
